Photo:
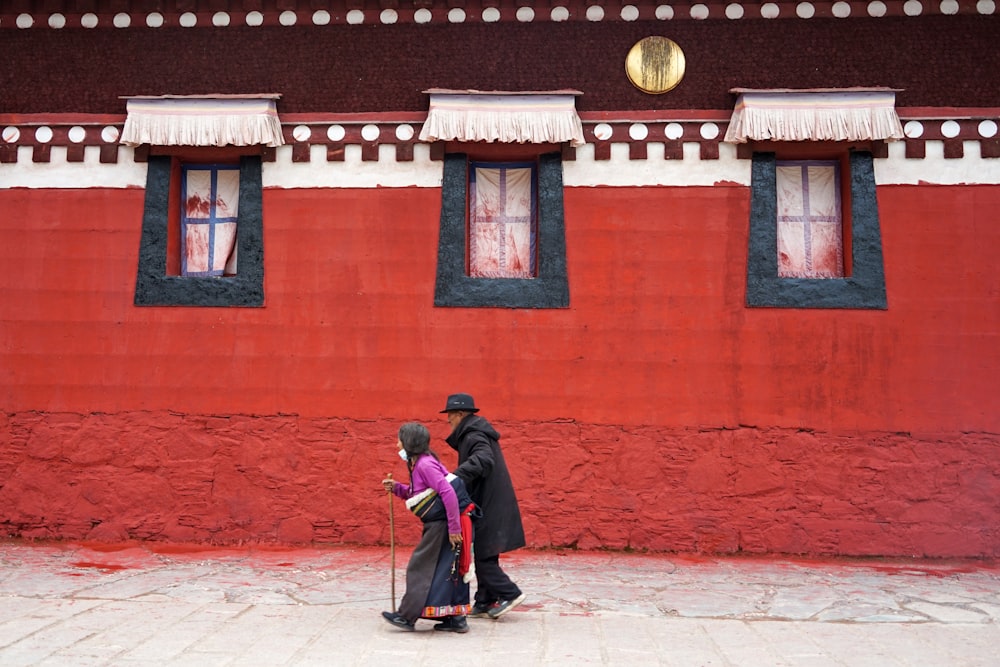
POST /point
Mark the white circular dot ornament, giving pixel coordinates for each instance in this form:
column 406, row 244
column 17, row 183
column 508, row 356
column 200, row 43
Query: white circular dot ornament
column 805, row 10
column 699, row 12
column 404, row 132
column 877, row 9
column 336, row 133
column 950, row 129
column 841, row 9
column 638, row 131
column 557, row 15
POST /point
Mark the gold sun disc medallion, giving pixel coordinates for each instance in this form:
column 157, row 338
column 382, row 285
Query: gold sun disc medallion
column 655, row 65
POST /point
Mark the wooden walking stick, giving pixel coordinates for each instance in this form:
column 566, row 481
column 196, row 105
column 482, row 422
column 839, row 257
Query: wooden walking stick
column 392, row 547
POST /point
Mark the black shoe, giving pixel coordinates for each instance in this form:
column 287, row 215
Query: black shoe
column 482, row 609
column 395, row 619
column 503, row 606
column 453, row 624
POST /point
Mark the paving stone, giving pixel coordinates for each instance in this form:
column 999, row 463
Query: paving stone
column 948, row 613
column 801, row 602
column 68, row 604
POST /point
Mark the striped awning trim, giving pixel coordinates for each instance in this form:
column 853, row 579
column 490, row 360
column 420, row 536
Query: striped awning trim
column 202, row 120
column 829, row 114
column 505, row 117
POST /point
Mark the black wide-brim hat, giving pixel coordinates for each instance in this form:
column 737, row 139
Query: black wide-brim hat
column 462, row 402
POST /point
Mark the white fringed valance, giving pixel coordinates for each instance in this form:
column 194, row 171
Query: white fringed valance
column 834, row 114
column 202, row 120
column 525, row 117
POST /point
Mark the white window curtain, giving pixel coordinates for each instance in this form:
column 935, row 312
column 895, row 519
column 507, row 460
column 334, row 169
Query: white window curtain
column 810, row 223
column 502, row 222
column 209, row 213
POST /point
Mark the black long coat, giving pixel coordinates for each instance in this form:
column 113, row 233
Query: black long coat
column 482, row 467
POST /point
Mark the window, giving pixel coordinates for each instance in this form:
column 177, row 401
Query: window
column 809, row 228
column 810, row 224
column 814, row 230
column 502, row 241
column 502, row 220
column 187, row 256
column 502, row 236
column 203, row 196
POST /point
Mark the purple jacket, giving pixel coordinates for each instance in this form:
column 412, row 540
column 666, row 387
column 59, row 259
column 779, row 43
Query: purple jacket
column 429, row 473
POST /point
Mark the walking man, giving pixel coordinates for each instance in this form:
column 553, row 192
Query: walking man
column 482, row 467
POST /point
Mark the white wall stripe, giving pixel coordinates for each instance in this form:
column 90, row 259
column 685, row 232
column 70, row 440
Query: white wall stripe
column 621, row 170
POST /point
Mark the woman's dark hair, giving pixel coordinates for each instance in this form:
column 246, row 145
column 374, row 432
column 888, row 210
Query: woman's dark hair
column 415, row 437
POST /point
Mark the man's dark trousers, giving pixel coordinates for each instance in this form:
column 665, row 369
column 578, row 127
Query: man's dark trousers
column 493, row 584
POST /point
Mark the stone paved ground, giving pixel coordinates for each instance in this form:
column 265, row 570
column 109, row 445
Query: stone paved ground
column 76, row 604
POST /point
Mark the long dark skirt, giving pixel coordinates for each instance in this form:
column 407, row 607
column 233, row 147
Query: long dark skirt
column 434, row 588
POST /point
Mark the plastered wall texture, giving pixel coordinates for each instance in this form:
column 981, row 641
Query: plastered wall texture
column 657, row 411
column 238, row 479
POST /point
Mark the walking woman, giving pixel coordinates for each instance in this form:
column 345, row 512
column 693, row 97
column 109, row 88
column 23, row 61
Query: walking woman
column 438, row 574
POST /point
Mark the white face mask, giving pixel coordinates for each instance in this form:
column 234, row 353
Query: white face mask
column 402, row 454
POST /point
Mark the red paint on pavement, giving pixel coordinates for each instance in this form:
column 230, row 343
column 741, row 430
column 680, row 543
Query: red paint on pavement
column 104, row 567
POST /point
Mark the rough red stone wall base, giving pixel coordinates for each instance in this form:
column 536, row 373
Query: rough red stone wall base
column 288, row 479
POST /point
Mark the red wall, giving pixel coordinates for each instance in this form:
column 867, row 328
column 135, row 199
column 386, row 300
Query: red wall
column 657, row 412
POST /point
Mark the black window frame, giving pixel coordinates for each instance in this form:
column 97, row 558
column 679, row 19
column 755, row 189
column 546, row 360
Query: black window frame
column 454, row 288
column 864, row 288
column 155, row 288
